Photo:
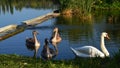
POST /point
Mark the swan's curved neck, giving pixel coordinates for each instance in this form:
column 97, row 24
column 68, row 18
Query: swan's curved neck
column 103, row 48
column 56, row 32
column 35, row 38
column 48, row 50
column 36, row 42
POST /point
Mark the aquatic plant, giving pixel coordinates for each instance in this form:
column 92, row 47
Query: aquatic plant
column 83, row 7
column 107, row 4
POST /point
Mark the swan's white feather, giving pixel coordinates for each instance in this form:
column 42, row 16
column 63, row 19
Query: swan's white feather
column 90, row 51
column 87, row 51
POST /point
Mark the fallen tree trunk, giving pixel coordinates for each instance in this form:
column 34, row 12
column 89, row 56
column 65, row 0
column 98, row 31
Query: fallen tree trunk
column 40, row 19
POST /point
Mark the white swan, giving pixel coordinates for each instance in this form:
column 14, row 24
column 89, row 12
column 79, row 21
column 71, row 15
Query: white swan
column 90, row 51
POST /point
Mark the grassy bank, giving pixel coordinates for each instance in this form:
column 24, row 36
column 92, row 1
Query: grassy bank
column 107, row 4
column 16, row 61
column 84, row 8
column 81, row 8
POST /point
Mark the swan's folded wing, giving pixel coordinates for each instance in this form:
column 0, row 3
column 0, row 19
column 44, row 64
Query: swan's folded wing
column 80, row 53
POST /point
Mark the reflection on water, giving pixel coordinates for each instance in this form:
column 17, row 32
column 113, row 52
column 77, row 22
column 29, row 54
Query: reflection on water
column 110, row 20
column 73, row 27
column 10, row 5
column 74, row 32
column 80, row 33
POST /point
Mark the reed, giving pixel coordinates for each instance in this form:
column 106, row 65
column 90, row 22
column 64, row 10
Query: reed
column 79, row 7
column 84, row 8
column 107, row 4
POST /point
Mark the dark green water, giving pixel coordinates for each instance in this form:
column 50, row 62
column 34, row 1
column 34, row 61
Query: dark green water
column 74, row 32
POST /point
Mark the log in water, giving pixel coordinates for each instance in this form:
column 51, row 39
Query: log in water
column 11, row 30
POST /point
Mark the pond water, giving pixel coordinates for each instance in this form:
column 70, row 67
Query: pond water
column 74, row 32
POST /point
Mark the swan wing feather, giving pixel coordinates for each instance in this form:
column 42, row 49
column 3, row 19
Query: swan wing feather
column 87, row 51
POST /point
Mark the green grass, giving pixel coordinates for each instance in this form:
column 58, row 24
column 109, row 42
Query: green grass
column 16, row 61
column 84, row 6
